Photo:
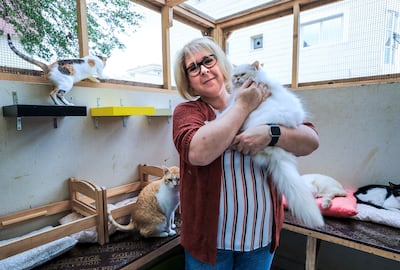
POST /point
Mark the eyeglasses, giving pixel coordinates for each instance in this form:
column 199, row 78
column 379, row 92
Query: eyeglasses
column 208, row 62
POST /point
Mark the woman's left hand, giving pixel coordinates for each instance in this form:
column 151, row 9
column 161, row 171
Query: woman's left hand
column 252, row 140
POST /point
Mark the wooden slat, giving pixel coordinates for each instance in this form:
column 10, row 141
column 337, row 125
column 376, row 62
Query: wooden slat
column 122, row 211
column 124, row 189
column 25, row 215
column 41, row 238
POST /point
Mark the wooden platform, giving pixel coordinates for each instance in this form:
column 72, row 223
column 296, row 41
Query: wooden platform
column 368, row 237
column 125, row 250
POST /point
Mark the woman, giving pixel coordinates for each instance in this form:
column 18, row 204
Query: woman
column 218, row 177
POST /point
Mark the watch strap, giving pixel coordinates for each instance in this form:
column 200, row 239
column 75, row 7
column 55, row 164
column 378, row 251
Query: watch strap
column 274, row 132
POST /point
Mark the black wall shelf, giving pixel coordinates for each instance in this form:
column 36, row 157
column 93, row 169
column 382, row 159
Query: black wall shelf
column 21, row 110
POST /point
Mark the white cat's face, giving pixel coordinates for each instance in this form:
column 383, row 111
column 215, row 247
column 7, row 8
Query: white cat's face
column 241, row 73
column 171, row 177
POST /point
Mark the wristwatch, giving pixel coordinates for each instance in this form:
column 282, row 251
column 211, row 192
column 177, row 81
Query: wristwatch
column 275, row 132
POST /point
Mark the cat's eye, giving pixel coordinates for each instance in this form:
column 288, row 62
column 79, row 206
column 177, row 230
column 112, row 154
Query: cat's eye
column 208, row 62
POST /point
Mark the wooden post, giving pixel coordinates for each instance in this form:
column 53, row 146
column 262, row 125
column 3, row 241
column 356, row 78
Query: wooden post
column 166, row 21
column 82, row 28
column 295, row 55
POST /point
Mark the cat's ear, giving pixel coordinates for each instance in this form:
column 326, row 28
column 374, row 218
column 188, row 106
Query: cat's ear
column 102, row 58
column 256, row 64
column 165, row 169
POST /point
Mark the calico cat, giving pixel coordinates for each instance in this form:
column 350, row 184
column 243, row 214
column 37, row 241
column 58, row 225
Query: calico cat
column 284, row 108
column 63, row 74
column 153, row 213
column 325, row 187
column 380, row 196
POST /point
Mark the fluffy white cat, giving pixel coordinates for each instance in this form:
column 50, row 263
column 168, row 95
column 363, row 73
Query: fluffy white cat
column 283, row 107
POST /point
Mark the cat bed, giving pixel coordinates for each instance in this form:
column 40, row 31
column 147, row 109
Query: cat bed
column 85, row 198
column 376, row 215
column 341, row 207
column 90, row 235
column 147, row 173
column 34, row 257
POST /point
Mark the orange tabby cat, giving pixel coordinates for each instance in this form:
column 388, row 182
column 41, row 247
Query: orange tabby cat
column 153, row 213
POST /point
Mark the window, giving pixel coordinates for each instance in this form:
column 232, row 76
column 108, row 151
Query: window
column 392, row 38
column 257, row 42
column 324, row 31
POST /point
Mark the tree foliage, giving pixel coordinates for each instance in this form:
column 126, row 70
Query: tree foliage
column 49, row 29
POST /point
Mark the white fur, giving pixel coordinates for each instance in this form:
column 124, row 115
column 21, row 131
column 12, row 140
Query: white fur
column 378, row 196
column 63, row 83
column 168, row 200
column 324, row 187
column 285, row 108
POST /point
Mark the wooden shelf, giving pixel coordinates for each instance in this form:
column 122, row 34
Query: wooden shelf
column 19, row 110
column 122, row 111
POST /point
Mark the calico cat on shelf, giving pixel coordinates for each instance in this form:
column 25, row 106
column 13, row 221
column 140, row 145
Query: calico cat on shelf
column 380, row 196
column 63, row 74
column 283, row 107
column 153, row 213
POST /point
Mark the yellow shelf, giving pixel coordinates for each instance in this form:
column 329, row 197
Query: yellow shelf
column 162, row 112
column 122, row 111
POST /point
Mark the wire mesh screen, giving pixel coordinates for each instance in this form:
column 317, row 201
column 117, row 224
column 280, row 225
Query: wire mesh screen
column 346, row 40
column 47, row 30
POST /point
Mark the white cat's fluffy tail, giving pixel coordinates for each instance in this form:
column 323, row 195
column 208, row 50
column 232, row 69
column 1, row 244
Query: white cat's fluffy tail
column 300, row 200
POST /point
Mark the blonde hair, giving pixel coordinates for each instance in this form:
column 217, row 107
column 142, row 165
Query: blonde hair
column 196, row 45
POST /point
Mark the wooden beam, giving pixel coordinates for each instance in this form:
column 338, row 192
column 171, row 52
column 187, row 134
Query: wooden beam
column 83, row 39
column 173, row 3
column 166, row 21
column 295, row 49
column 196, row 19
column 265, row 12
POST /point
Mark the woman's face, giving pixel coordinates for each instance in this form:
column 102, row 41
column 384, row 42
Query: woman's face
column 210, row 81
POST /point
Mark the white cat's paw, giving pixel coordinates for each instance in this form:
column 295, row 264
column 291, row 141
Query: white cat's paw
column 173, row 226
column 326, row 205
column 172, row 233
column 163, row 234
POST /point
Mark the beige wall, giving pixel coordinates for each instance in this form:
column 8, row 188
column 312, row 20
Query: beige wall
column 36, row 161
column 359, row 129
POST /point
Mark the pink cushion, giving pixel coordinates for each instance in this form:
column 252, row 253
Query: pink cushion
column 342, row 207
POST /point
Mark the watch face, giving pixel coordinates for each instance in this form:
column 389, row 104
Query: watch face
column 275, row 131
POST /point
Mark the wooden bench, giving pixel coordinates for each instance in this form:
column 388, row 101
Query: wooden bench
column 369, row 237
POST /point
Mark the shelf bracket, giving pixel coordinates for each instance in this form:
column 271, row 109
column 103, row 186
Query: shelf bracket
column 96, row 122
column 124, row 120
column 19, row 123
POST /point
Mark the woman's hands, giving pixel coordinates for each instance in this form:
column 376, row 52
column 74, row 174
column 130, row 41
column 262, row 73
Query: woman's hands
column 251, row 94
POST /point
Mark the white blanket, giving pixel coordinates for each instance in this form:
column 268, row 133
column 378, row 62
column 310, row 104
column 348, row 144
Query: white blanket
column 381, row 216
column 34, row 257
